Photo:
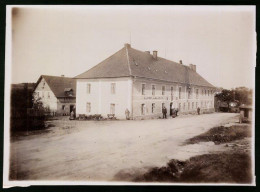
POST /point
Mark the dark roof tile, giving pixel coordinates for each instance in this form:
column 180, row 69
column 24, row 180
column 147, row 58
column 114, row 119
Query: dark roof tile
column 131, row 62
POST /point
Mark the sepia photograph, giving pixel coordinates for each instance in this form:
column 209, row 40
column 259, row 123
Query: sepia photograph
column 129, row 95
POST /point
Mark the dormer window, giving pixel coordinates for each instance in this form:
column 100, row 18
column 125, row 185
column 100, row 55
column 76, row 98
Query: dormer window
column 68, row 92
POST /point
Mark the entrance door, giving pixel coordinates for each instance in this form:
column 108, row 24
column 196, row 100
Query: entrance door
column 71, row 108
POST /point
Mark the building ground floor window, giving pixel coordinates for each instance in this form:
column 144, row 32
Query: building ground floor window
column 143, row 109
column 153, row 107
column 88, row 109
column 112, row 108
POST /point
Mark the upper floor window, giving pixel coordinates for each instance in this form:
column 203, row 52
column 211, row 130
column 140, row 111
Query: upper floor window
column 153, row 89
column 197, row 93
column 143, row 89
column 179, row 92
column 163, row 90
column 88, row 88
column 171, row 91
column 113, row 88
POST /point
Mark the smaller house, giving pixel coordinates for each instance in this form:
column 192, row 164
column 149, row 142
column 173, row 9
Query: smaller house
column 58, row 94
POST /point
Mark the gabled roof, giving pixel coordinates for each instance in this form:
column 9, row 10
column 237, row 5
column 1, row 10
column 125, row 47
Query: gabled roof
column 58, row 85
column 129, row 62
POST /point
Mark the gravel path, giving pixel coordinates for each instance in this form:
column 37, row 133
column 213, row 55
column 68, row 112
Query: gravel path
column 97, row 150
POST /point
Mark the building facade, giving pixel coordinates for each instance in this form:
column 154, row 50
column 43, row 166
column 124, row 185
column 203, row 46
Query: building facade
column 58, row 94
column 142, row 83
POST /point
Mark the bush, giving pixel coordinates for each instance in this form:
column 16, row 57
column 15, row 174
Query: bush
column 26, row 114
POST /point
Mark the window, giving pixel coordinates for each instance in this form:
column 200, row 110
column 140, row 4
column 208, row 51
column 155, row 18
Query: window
column 205, row 92
column 197, row 93
column 112, row 108
column 201, row 104
column 153, row 89
column 63, row 107
column 153, row 107
column 163, row 90
column 171, row 91
column 179, row 92
column 43, row 94
column 143, row 89
column 192, row 105
column 88, row 107
column 189, row 93
column 113, row 88
column 188, row 105
column 208, row 92
column 143, row 109
column 202, row 92
column 88, row 88
column 49, row 95
column 183, row 106
column 38, row 94
column 196, row 105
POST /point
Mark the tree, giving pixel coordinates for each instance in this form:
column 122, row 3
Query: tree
column 226, row 96
column 243, row 95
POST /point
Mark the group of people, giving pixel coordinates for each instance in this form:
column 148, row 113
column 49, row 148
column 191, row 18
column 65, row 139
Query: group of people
column 173, row 113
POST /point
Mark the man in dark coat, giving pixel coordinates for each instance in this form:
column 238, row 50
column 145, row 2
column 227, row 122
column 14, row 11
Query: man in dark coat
column 198, row 110
column 164, row 111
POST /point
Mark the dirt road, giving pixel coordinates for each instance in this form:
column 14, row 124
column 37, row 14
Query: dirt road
column 97, row 150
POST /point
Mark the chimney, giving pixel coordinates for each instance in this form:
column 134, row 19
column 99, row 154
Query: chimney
column 127, row 45
column 192, row 67
column 147, row 52
column 155, row 54
column 180, row 61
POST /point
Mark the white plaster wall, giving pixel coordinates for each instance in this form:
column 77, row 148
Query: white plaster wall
column 101, row 97
column 158, row 99
column 44, row 89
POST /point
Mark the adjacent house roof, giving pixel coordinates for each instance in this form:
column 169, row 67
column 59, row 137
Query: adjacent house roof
column 59, row 85
column 129, row 62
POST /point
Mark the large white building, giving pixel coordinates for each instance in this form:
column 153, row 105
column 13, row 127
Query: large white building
column 142, row 83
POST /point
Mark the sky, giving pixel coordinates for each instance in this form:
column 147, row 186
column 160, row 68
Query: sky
column 68, row 40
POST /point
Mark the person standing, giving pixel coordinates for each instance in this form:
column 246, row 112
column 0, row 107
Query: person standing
column 127, row 114
column 198, row 110
column 173, row 113
column 164, row 111
column 177, row 110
